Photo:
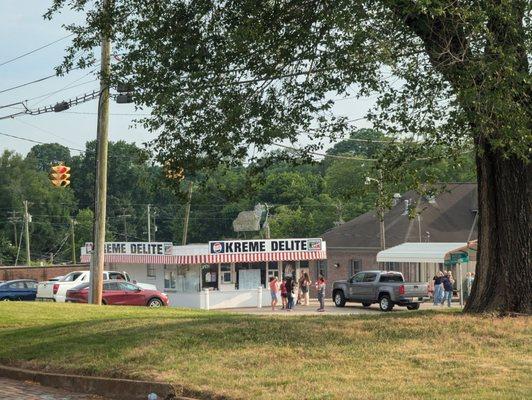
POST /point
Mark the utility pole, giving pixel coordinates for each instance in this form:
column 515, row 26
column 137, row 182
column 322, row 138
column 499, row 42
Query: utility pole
column 72, row 223
column 149, row 223
column 382, row 228
column 124, row 216
column 14, row 219
column 27, row 220
column 96, row 276
column 187, row 213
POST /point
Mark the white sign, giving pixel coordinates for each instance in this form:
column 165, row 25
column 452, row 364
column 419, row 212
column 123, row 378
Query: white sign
column 264, row 246
column 152, row 248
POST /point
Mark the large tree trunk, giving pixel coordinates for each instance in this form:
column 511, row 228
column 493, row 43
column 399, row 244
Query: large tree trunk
column 503, row 281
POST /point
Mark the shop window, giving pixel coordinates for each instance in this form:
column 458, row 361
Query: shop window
column 209, row 276
column 188, row 278
column 250, row 275
column 226, row 272
column 170, row 277
column 151, row 271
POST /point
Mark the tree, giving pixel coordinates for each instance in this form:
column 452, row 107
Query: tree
column 230, row 76
column 44, row 155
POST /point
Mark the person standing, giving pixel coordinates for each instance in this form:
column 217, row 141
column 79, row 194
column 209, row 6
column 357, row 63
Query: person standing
column 283, row 293
column 438, row 288
column 469, row 283
column 447, row 282
column 290, row 292
column 305, row 286
column 321, row 285
column 274, row 289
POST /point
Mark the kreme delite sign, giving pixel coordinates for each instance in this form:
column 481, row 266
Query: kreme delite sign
column 151, row 248
column 264, row 246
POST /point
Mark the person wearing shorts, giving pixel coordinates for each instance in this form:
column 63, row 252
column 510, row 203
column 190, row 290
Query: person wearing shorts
column 274, row 289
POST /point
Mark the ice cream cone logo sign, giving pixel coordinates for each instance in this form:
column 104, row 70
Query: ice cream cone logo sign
column 60, row 175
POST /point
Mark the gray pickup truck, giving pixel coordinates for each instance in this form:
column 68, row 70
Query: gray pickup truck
column 387, row 288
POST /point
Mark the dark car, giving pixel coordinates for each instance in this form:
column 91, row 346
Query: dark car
column 119, row 293
column 20, row 289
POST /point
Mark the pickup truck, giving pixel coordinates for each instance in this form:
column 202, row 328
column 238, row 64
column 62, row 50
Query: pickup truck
column 387, row 288
column 56, row 290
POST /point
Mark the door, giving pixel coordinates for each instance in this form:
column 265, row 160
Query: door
column 30, row 290
column 354, row 286
column 132, row 295
column 366, row 288
column 16, row 290
column 112, row 293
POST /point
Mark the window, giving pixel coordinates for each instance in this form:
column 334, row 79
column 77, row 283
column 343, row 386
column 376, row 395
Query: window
column 150, row 271
column 72, row 277
column 116, row 275
column 225, row 270
column 31, row 285
column 321, row 268
column 391, row 278
column 83, row 286
column 170, row 278
column 17, row 285
column 355, row 267
column 358, row 277
column 111, row 286
column 369, row 277
column 127, row 286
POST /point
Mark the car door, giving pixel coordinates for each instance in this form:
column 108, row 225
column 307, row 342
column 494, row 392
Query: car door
column 133, row 296
column 30, row 290
column 366, row 287
column 354, row 286
column 112, row 293
column 15, row 290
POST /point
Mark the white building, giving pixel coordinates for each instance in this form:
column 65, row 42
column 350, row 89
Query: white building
column 220, row 274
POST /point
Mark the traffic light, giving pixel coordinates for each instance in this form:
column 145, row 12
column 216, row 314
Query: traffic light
column 60, row 175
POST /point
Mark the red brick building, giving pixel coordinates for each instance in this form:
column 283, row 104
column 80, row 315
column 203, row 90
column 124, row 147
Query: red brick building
column 353, row 246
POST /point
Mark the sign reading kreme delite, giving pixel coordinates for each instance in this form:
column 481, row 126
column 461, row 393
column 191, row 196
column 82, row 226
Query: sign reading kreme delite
column 264, row 246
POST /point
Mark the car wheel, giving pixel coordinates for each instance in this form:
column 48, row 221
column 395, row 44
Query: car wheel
column 366, row 304
column 155, row 303
column 414, row 306
column 339, row 299
column 385, row 303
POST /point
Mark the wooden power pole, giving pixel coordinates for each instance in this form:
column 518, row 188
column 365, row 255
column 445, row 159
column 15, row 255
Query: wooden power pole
column 73, row 240
column 96, row 276
column 27, row 217
column 187, row 214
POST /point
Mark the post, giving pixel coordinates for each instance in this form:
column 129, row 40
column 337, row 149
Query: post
column 101, row 188
column 73, row 240
column 381, row 213
column 149, row 223
column 187, row 214
column 259, row 297
column 461, row 284
column 27, row 232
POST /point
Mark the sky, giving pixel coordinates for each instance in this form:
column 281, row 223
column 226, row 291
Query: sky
column 23, row 29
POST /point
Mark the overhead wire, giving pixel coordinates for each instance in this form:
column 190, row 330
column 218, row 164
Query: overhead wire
column 34, row 50
column 36, row 141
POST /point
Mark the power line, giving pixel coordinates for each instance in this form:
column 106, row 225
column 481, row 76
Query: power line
column 34, row 50
column 45, row 131
column 28, row 83
column 36, row 141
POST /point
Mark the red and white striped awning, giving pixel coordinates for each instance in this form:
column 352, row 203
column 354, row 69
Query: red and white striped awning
column 211, row 258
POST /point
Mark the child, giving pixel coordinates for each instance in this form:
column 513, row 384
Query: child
column 320, row 285
column 284, row 294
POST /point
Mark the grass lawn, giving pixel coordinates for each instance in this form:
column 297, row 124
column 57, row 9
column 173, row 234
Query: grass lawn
column 410, row 355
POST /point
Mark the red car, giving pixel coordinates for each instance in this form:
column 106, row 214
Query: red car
column 119, row 293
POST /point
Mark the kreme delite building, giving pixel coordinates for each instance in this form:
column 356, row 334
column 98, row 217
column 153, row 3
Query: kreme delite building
column 218, row 274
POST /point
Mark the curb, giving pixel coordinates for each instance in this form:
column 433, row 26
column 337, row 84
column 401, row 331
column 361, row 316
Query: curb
column 119, row 389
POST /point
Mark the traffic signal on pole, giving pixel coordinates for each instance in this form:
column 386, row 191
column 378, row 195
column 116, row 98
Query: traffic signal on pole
column 60, row 175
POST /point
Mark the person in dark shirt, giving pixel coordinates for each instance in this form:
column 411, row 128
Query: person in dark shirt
column 438, row 288
column 290, row 292
column 447, row 282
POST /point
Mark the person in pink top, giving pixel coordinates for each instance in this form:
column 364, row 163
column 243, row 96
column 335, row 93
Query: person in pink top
column 274, row 289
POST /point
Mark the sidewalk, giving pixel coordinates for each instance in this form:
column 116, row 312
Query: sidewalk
column 331, row 309
column 16, row 390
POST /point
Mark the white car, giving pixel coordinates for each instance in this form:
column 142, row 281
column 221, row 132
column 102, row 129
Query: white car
column 56, row 290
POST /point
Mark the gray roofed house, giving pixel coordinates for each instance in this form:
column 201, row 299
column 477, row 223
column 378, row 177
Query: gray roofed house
column 448, row 217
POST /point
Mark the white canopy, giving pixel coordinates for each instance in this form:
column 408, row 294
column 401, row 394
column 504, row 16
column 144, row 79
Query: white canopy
column 419, row 252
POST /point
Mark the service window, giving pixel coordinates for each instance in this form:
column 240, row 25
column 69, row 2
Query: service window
column 150, row 271
column 225, row 271
column 170, row 278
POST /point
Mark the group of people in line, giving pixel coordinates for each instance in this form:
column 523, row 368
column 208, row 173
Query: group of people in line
column 294, row 292
column 443, row 283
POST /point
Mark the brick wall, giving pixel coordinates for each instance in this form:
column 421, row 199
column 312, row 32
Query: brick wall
column 367, row 258
column 39, row 273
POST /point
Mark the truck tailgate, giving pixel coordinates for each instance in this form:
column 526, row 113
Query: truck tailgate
column 45, row 291
column 416, row 289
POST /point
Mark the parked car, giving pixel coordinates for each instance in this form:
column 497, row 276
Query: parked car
column 387, row 288
column 19, row 289
column 55, row 278
column 117, row 292
column 56, row 291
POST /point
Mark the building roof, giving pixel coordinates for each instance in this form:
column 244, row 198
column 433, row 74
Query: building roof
column 419, row 252
column 449, row 217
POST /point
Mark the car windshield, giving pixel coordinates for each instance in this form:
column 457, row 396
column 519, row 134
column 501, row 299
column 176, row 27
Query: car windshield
column 391, row 278
column 81, row 287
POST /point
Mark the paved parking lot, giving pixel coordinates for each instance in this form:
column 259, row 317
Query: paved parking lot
column 330, row 308
column 17, row 390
